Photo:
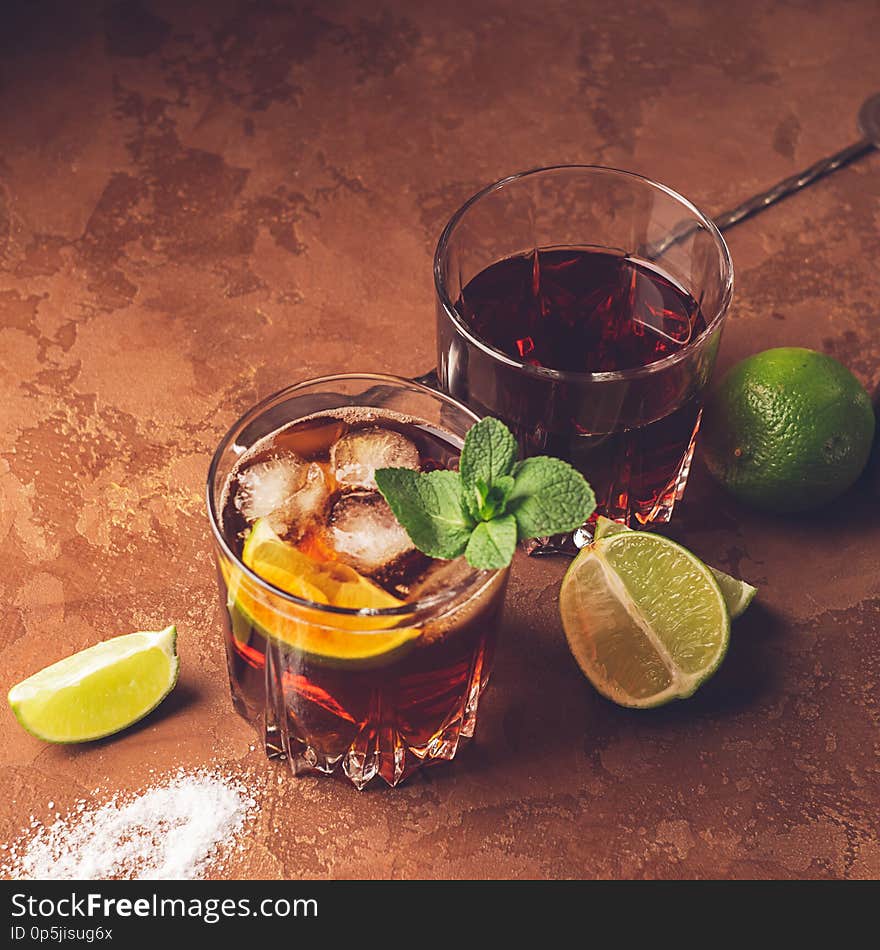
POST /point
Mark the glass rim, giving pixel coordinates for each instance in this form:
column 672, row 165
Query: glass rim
column 574, row 376
column 475, row 580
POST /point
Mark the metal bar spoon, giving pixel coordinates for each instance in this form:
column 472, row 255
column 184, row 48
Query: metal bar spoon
column 869, row 126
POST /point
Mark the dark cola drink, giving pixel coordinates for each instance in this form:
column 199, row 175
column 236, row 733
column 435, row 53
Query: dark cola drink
column 577, row 316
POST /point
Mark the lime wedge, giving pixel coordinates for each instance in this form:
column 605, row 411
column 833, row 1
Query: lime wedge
column 737, row 594
column 336, row 638
column 645, row 619
column 605, row 527
column 100, row 690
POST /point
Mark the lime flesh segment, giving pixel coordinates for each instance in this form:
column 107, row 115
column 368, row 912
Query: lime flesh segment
column 617, row 640
column 644, row 618
column 98, row 691
column 737, row 594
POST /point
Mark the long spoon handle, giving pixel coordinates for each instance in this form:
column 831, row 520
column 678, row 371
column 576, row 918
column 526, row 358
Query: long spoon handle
column 793, row 183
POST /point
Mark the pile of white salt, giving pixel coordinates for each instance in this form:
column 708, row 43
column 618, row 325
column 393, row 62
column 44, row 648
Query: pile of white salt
column 174, row 830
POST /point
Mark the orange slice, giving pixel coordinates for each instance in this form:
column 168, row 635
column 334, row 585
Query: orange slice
column 324, row 635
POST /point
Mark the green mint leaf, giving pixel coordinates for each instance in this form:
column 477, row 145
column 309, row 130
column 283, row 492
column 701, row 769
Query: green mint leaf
column 489, row 453
column 548, row 497
column 430, row 508
column 492, row 544
column 495, row 498
column 475, row 499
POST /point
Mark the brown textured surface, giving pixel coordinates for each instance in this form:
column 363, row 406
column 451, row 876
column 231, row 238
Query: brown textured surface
column 202, row 202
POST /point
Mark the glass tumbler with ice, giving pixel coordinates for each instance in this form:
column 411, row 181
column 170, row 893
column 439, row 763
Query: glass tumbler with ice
column 350, row 651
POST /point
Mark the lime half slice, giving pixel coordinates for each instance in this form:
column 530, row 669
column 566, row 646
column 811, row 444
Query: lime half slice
column 645, row 619
column 100, row 690
column 737, row 594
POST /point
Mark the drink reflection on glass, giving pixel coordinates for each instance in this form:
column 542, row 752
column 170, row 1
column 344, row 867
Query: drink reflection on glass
column 583, row 306
column 350, row 651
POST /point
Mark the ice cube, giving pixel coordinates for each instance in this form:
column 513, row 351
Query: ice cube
column 365, row 534
column 285, row 489
column 357, row 455
column 266, row 486
column 305, row 506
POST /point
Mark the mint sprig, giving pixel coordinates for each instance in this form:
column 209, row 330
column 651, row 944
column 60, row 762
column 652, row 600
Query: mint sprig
column 490, row 503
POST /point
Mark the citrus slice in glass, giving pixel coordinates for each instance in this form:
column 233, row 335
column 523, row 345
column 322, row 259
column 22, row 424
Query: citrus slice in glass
column 99, row 690
column 644, row 618
column 737, row 594
column 346, row 638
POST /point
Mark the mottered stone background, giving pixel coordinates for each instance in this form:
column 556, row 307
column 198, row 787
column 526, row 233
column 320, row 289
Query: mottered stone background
column 203, row 202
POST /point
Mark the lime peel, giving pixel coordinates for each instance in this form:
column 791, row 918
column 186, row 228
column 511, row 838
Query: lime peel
column 787, row 430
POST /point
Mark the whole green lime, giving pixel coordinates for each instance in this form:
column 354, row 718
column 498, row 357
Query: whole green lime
column 788, row 429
